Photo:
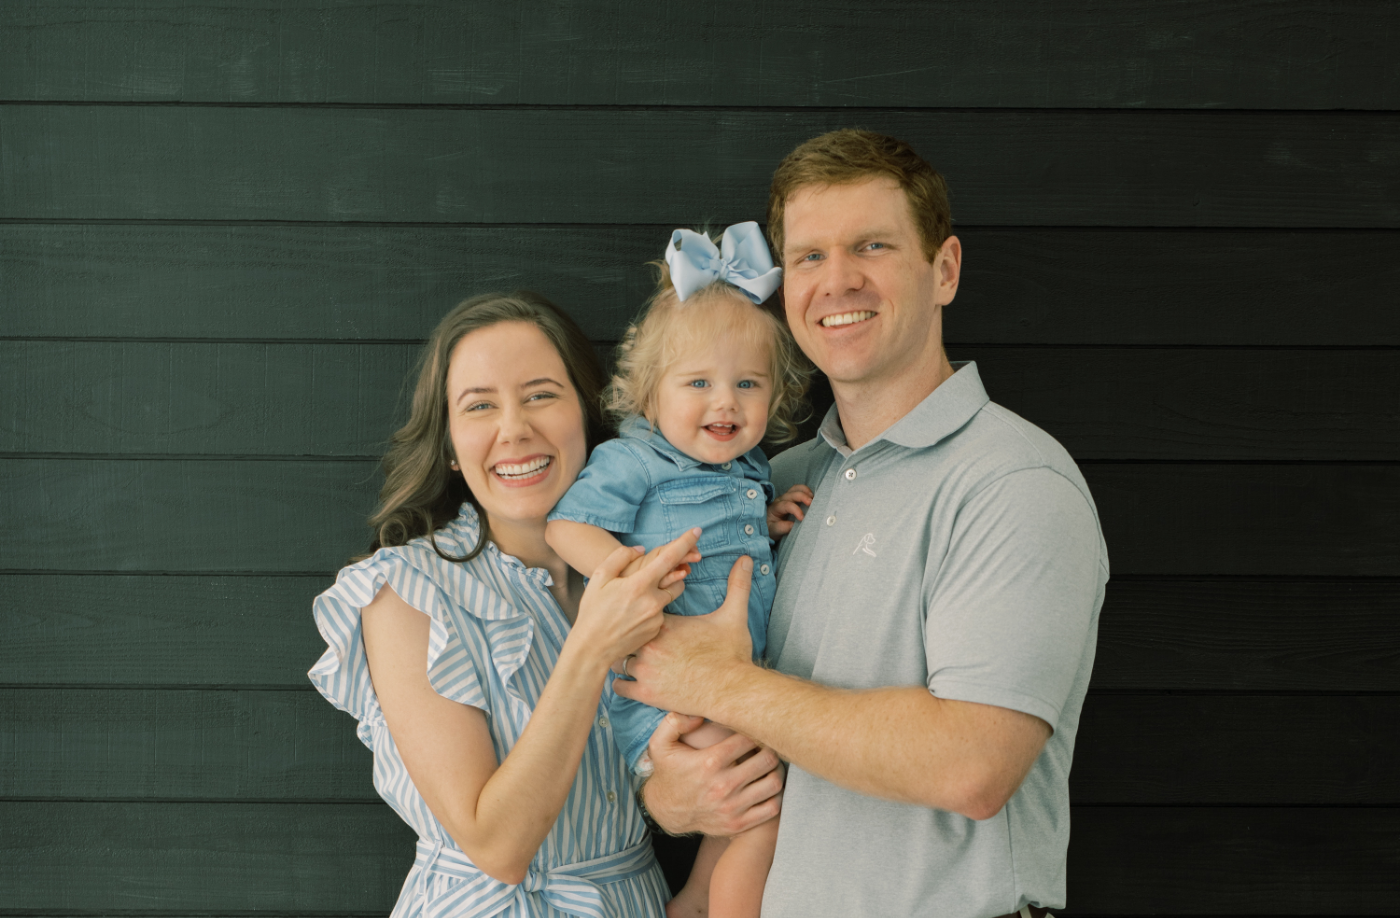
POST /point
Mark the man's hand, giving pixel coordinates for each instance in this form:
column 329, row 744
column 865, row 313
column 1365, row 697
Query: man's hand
column 722, row 790
column 786, row 511
column 694, row 658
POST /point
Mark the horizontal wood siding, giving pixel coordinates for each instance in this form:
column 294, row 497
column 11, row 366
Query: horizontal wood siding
column 430, row 165
column 1128, row 53
column 1081, row 285
column 226, row 227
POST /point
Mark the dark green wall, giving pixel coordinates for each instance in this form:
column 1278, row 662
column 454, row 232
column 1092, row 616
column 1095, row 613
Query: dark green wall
column 224, row 228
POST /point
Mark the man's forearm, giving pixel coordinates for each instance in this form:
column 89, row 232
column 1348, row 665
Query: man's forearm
column 899, row 744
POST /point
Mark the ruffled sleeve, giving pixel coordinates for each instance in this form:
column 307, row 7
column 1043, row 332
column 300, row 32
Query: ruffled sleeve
column 342, row 673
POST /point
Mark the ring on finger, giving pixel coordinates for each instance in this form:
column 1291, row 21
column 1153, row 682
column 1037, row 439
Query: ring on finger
column 625, row 660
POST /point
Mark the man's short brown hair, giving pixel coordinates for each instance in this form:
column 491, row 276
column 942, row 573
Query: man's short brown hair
column 852, row 155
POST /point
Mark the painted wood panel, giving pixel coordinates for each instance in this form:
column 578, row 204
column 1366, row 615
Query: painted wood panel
column 1009, row 168
column 339, row 858
column 1194, row 634
column 1315, row 519
column 74, row 629
column 778, row 52
column 291, row 745
column 342, row 400
column 386, row 282
column 1237, row 634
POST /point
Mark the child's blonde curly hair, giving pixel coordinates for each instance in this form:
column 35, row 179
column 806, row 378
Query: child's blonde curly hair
column 667, row 327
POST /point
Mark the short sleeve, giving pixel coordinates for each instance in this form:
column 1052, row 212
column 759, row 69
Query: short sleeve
column 608, row 490
column 342, row 673
column 1010, row 609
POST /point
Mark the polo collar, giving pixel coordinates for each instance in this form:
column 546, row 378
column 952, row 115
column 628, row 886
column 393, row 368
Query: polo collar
column 639, row 428
column 945, row 411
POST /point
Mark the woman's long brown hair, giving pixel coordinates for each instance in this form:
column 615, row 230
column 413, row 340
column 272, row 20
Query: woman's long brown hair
column 421, row 492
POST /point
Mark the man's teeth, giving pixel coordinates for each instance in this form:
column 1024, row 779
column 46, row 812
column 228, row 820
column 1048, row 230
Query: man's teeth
column 524, row 469
column 847, row 318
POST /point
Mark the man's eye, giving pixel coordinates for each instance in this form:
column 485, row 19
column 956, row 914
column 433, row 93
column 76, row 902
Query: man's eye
column 812, row 256
column 876, row 245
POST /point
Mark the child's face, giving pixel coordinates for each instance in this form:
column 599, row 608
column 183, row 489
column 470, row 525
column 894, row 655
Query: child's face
column 712, row 403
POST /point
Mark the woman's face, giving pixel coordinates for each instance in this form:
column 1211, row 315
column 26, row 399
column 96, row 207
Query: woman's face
column 516, row 425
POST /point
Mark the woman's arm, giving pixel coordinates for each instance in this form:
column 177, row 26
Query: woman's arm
column 500, row 813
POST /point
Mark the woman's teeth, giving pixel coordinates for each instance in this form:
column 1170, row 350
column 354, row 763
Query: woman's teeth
column 847, row 318
column 524, row 469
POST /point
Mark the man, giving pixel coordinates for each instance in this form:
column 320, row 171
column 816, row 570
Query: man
column 935, row 621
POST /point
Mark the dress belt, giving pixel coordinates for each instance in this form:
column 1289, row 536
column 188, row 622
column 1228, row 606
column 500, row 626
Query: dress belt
column 572, row 888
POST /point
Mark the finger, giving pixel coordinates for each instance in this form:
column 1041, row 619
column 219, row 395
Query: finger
column 740, row 579
column 668, row 733
column 670, row 555
column 675, row 576
column 730, row 750
column 614, row 564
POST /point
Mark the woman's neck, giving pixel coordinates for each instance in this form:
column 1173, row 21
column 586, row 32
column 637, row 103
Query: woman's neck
column 527, row 544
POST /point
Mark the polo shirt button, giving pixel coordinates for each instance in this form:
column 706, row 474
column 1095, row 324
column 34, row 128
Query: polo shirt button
column 850, row 474
column 726, row 466
column 751, row 494
column 612, row 797
column 748, row 530
column 831, row 520
column 603, row 722
column 763, row 569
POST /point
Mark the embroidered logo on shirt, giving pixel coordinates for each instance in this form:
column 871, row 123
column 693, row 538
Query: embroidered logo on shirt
column 866, row 541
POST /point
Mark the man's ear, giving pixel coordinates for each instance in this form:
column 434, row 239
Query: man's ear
column 948, row 261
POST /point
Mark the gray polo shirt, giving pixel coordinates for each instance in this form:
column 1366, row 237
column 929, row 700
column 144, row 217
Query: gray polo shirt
column 960, row 550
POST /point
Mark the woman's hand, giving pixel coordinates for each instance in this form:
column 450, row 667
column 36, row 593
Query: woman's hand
column 786, row 511
column 621, row 608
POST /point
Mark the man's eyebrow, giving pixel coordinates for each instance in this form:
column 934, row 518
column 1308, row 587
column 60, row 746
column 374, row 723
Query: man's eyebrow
column 480, row 390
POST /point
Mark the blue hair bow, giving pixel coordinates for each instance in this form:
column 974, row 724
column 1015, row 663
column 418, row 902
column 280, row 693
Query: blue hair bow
column 742, row 259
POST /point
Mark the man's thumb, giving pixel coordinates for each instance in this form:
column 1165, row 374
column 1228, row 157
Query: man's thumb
column 740, row 580
column 672, row 726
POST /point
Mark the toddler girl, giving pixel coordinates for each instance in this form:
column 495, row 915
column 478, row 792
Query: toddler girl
column 702, row 377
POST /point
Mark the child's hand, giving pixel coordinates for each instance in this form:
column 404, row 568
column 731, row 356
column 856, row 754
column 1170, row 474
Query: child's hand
column 786, row 511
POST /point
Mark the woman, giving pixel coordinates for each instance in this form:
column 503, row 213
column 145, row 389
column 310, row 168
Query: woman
column 474, row 659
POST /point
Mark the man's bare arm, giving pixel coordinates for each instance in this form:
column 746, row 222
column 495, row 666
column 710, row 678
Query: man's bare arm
column 896, row 743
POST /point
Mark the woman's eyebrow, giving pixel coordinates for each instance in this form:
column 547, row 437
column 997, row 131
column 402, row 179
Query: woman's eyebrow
column 488, row 390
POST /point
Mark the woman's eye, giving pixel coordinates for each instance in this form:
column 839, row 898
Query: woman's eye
column 539, row 396
column 476, row 406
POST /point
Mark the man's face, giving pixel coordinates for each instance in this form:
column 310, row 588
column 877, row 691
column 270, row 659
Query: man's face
column 861, row 299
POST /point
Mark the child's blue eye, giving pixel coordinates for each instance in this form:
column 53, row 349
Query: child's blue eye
column 746, row 384
column 698, row 383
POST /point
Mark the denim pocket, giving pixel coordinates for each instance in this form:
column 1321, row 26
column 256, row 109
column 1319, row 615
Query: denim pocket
column 709, row 503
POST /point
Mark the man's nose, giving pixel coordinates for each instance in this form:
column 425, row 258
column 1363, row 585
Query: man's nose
column 842, row 274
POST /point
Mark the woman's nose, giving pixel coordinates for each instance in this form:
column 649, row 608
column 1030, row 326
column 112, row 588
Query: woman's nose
column 514, row 426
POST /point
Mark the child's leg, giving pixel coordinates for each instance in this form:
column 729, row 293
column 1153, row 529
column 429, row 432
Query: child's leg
column 736, row 887
column 693, row 901
column 722, row 884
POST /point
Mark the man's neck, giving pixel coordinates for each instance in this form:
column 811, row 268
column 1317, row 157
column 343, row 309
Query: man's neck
column 867, row 410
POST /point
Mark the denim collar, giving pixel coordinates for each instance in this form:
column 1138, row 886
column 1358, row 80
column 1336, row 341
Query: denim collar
column 639, row 428
column 942, row 413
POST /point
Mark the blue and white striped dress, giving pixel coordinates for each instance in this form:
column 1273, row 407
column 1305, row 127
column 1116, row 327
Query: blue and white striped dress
column 496, row 633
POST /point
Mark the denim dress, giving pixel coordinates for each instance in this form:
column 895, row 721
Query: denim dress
column 646, row 492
